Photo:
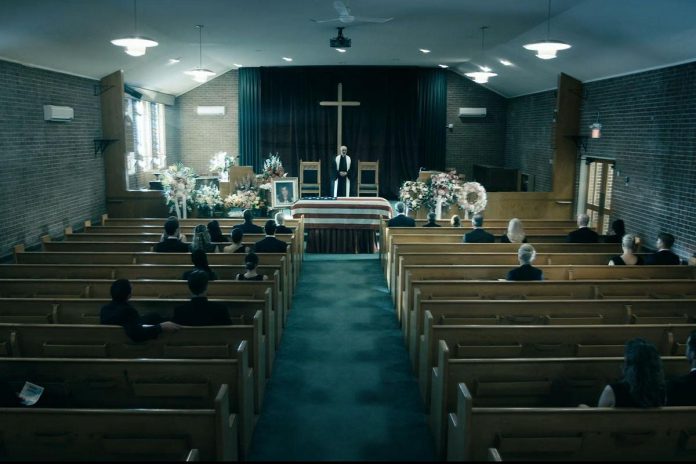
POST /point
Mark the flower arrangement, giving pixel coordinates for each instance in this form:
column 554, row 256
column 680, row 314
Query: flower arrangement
column 472, row 197
column 245, row 199
column 220, row 164
column 443, row 188
column 415, row 194
column 272, row 169
column 207, row 198
column 179, row 183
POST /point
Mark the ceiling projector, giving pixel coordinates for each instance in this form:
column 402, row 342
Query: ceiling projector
column 339, row 41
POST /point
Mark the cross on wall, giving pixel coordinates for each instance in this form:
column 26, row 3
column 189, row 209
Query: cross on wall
column 339, row 104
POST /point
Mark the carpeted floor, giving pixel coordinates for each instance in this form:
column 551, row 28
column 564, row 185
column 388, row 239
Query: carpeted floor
column 342, row 386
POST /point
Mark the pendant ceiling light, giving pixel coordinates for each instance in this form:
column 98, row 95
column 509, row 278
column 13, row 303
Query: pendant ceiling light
column 200, row 74
column 547, row 49
column 135, row 46
column 482, row 76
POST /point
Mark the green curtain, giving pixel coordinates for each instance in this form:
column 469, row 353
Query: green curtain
column 250, row 118
column 432, row 117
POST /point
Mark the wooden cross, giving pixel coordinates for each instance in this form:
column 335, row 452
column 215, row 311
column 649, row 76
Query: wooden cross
column 340, row 103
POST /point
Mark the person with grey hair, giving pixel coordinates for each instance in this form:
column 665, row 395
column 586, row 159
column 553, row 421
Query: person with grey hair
column 526, row 271
column 455, row 221
column 628, row 258
column 432, row 220
column 478, row 235
column 583, row 234
column 401, row 220
column 280, row 224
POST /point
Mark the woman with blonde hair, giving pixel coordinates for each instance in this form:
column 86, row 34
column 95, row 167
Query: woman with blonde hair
column 201, row 240
column 455, row 221
column 629, row 244
column 515, row 232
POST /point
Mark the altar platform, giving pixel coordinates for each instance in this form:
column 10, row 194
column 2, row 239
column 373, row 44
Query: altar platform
column 342, row 225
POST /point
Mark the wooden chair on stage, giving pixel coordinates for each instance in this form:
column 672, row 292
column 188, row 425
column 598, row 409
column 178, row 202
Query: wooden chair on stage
column 368, row 178
column 310, row 179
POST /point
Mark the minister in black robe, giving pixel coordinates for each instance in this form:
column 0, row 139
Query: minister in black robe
column 341, row 183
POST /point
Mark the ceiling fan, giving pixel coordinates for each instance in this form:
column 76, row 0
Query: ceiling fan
column 346, row 17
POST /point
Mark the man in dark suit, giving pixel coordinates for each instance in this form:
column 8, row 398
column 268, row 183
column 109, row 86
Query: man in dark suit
column 280, row 227
column 664, row 255
column 200, row 311
column 401, row 220
column 583, row 234
column 432, row 221
column 120, row 312
column 270, row 244
column 682, row 390
column 172, row 242
column 248, row 226
column 478, row 235
column 526, row 271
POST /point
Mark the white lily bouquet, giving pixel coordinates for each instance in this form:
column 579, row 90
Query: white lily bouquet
column 220, row 165
column 178, row 183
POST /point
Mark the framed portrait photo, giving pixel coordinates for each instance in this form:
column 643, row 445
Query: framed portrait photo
column 284, row 192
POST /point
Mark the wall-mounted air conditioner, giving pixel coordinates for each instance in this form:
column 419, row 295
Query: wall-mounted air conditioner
column 58, row 113
column 472, row 112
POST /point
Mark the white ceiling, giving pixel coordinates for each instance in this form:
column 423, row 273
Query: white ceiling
column 609, row 37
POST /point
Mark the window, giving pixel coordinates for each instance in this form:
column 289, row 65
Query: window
column 600, row 179
column 146, row 140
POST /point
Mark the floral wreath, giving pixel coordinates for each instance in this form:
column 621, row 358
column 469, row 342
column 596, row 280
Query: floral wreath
column 472, row 197
column 179, row 183
column 443, row 187
column 415, row 194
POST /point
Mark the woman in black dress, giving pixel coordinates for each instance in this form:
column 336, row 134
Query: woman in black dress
column 643, row 383
column 629, row 243
column 215, row 232
column 251, row 262
column 236, row 246
column 619, row 229
column 200, row 263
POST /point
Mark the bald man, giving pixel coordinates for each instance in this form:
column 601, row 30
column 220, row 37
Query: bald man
column 341, row 183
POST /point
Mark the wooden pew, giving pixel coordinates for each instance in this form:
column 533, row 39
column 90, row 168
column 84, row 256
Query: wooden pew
column 545, row 341
column 99, row 341
column 546, row 312
column 58, row 434
column 569, row 434
column 273, row 319
column 452, row 248
column 86, row 311
column 158, row 229
column 552, row 382
column 553, row 272
column 142, row 383
column 151, row 258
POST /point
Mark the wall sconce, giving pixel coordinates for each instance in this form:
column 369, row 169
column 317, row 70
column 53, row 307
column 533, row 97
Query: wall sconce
column 210, row 110
column 596, row 128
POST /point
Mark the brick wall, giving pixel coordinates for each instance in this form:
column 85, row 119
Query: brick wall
column 474, row 140
column 649, row 128
column 528, row 137
column 49, row 175
column 200, row 137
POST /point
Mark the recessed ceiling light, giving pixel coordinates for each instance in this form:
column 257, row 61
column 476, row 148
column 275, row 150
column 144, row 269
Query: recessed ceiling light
column 341, row 50
column 237, row 65
column 505, row 63
column 485, row 68
column 424, row 50
column 174, row 60
column 287, row 58
column 443, row 66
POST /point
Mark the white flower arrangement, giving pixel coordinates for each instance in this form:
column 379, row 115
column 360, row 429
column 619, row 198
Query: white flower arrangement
column 443, row 187
column 179, row 183
column 415, row 194
column 273, row 168
column 245, row 199
column 207, row 197
column 472, row 197
column 221, row 163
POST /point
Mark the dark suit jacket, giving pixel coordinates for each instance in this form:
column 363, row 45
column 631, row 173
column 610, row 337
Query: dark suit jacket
column 200, row 311
column 583, row 235
column 401, row 220
column 478, row 236
column 283, row 230
column 249, row 228
column 663, row 258
column 431, row 224
column 270, row 245
column 682, row 390
column 172, row 245
column 525, row 272
column 125, row 315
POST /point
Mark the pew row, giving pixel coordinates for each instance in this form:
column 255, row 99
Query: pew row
column 59, row 434
column 570, row 434
column 100, row 341
column 545, row 341
column 552, row 382
column 142, row 384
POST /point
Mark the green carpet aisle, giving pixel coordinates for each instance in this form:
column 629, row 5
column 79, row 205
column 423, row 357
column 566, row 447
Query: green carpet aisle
column 342, row 386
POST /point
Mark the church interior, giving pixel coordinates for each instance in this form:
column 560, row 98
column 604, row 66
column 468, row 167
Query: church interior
column 307, row 217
